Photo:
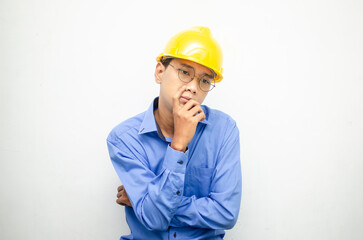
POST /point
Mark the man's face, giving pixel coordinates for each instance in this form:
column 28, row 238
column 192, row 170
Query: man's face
column 170, row 82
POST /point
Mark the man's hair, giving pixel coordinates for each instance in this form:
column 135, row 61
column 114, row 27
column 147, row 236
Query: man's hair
column 166, row 61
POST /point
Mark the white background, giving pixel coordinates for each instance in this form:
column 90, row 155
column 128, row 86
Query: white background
column 71, row 70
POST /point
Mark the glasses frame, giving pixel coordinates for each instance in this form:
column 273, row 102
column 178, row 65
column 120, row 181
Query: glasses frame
column 192, row 78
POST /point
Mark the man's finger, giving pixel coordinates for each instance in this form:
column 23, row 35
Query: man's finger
column 195, row 110
column 120, row 188
column 118, row 201
column 189, row 105
column 119, row 194
column 177, row 96
column 200, row 117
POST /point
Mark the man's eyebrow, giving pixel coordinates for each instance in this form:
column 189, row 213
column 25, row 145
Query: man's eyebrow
column 188, row 66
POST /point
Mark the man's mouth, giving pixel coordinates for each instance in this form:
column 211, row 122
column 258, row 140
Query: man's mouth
column 184, row 99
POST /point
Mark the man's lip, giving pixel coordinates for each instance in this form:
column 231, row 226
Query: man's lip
column 184, row 99
column 187, row 98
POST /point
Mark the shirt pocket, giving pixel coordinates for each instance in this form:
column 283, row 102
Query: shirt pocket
column 198, row 181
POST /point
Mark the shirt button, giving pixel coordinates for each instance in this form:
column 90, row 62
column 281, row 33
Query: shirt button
column 178, row 192
column 175, row 234
column 180, row 162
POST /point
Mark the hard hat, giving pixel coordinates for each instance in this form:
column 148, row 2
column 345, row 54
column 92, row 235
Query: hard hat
column 198, row 45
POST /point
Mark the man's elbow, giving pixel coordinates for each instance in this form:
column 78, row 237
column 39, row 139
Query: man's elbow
column 229, row 219
column 230, row 222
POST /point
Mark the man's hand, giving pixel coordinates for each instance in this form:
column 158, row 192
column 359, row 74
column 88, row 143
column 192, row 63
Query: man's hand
column 186, row 118
column 122, row 197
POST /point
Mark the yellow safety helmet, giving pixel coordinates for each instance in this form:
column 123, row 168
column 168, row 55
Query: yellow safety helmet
column 198, row 45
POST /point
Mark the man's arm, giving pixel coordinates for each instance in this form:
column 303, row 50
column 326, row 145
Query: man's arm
column 220, row 209
column 156, row 198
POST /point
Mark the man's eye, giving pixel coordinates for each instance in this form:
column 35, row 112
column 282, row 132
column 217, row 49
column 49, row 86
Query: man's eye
column 206, row 81
column 186, row 73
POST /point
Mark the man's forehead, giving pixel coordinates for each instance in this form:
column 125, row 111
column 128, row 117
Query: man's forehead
column 199, row 69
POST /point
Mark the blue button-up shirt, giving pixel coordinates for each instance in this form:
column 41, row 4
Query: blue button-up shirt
column 177, row 195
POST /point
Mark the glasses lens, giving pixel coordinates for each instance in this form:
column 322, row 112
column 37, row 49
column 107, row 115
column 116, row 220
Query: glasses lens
column 206, row 83
column 186, row 74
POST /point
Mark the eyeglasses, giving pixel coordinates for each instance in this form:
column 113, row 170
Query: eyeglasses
column 186, row 74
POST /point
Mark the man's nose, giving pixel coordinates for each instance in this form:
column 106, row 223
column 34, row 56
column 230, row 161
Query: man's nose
column 192, row 85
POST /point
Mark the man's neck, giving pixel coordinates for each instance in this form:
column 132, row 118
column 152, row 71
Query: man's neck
column 164, row 118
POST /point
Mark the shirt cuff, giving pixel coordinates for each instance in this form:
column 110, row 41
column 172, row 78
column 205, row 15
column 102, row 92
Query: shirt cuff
column 176, row 161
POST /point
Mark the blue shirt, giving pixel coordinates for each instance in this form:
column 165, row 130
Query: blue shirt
column 177, row 195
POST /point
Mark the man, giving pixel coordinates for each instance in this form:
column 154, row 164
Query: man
column 179, row 162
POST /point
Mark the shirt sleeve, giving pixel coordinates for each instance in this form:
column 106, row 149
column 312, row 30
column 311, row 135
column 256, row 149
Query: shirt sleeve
column 220, row 209
column 154, row 198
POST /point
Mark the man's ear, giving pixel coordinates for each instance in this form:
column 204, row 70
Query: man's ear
column 159, row 71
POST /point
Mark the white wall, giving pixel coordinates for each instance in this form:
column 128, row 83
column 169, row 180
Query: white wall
column 71, row 70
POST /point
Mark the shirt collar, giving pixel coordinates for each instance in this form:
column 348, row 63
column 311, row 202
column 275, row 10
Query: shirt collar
column 149, row 123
